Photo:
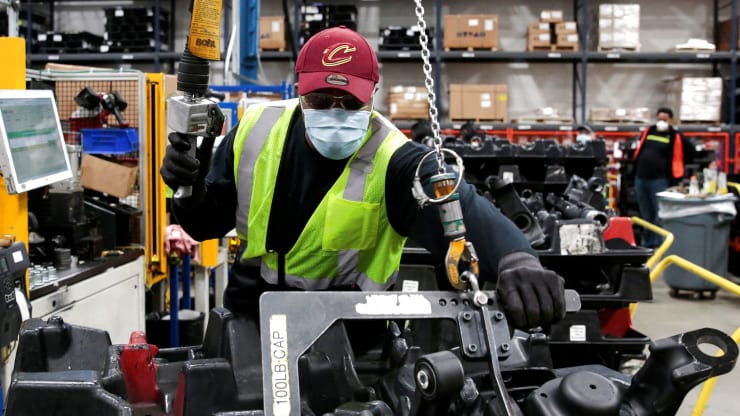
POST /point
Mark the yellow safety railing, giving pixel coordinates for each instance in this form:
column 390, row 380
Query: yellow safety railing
column 658, row 254
column 718, row 280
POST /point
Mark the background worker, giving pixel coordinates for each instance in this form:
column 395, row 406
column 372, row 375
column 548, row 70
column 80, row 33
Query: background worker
column 319, row 190
column 659, row 163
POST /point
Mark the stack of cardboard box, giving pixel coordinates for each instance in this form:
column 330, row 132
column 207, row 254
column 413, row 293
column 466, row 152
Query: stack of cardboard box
column 272, row 33
column 552, row 33
column 724, row 36
column 697, row 99
column 470, row 31
column 478, row 102
column 407, row 102
column 639, row 115
column 618, row 27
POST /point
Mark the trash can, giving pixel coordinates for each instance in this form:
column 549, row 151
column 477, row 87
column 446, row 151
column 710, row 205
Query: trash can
column 190, row 328
column 701, row 230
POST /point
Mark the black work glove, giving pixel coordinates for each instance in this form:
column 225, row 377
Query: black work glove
column 183, row 167
column 530, row 295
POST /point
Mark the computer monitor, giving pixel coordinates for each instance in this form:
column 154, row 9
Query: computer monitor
column 32, row 149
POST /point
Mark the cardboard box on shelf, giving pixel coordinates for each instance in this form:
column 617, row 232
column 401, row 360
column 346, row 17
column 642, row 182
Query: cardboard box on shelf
column 551, row 16
column 407, row 102
column 538, row 27
column 566, row 27
column 567, row 39
column 110, row 177
column 478, row 102
column 476, row 31
column 620, row 115
column 697, row 99
column 724, row 35
column 272, row 33
column 539, row 39
column 617, row 27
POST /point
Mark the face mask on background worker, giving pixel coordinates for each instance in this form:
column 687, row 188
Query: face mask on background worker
column 662, row 125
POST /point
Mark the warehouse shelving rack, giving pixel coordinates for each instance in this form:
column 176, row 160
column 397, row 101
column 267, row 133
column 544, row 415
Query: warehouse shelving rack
column 580, row 61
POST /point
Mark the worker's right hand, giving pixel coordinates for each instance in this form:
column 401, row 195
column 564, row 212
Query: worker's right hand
column 180, row 166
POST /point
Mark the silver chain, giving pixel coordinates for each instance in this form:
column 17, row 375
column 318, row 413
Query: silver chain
column 429, row 82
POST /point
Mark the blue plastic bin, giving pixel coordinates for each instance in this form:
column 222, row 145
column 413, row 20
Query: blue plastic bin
column 109, row 141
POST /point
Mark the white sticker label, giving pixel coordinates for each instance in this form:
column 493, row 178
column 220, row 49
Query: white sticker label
column 578, row 332
column 118, row 13
column 485, row 104
column 394, row 305
column 404, row 55
column 508, row 177
column 394, row 108
column 17, row 256
column 473, row 22
column 275, row 26
column 279, row 365
column 554, row 55
column 410, row 286
column 57, row 38
column 488, row 25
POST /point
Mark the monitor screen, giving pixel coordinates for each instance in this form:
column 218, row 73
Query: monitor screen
column 32, row 149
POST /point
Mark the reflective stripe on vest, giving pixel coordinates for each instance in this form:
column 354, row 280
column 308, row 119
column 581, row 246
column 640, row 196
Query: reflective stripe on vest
column 347, row 267
column 255, row 140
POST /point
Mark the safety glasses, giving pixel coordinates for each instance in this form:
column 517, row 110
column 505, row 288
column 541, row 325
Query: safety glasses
column 324, row 101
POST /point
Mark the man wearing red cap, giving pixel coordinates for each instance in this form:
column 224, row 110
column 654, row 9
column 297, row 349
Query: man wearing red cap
column 319, row 190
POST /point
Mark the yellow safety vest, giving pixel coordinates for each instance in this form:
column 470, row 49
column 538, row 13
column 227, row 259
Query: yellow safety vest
column 348, row 240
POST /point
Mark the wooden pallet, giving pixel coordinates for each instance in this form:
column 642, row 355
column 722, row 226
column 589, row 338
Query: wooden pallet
column 543, row 120
column 571, row 48
column 471, row 49
column 272, row 50
column 539, row 48
column 701, row 122
column 628, row 121
column 618, row 49
column 705, row 50
column 477, row 120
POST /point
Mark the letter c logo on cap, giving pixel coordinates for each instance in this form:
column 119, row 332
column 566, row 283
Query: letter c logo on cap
column 340, row 55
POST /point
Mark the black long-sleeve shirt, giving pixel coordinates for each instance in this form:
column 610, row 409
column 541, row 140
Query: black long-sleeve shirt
column 303, row 179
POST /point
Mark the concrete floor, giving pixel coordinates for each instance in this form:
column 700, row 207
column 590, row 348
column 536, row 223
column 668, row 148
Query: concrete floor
column 667, row 316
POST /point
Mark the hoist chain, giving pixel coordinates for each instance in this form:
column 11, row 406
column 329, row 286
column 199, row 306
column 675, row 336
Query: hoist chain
column 429, row 83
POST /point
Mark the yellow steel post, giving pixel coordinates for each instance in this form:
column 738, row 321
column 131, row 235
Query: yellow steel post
column 14, row 217
column 156, row 213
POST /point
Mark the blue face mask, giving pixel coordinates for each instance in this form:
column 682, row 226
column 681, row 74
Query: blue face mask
column 336, row 133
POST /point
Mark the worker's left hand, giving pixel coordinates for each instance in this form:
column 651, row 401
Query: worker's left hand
column 531, row 296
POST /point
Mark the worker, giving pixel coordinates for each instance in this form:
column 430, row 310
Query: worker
column 659, row 163
column 584, row 134
column 319, row 190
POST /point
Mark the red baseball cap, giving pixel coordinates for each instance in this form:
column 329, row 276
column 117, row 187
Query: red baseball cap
column 339, row 58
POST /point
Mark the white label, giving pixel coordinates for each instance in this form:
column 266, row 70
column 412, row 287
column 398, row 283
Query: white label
column 572, row 38
column 554, row 55
column 52, row 58
column 612, row 56
column 545, row 15
column 409, row 96
column 394, row 305
column 410, row 286
column 57, row 38
column 611, row 128
column 486, row 126
column 485, row 104
column 473, row 22
column 468, row 54
column 394, row 108
column 524, row 127
column 488, row 25
column 41, row 37
column 714, row 129
column 508, row 177
column 279, row 365
column 578, row 332
column 702, row 56
column 127, row 56
column 404, row 55
column 118, row 13
column 565, row 128
column 485, row 97
column 275, row 26
column 570, row 26
column 621, row 112
column 557, row 14
column 544, row 37
column 17, row 256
